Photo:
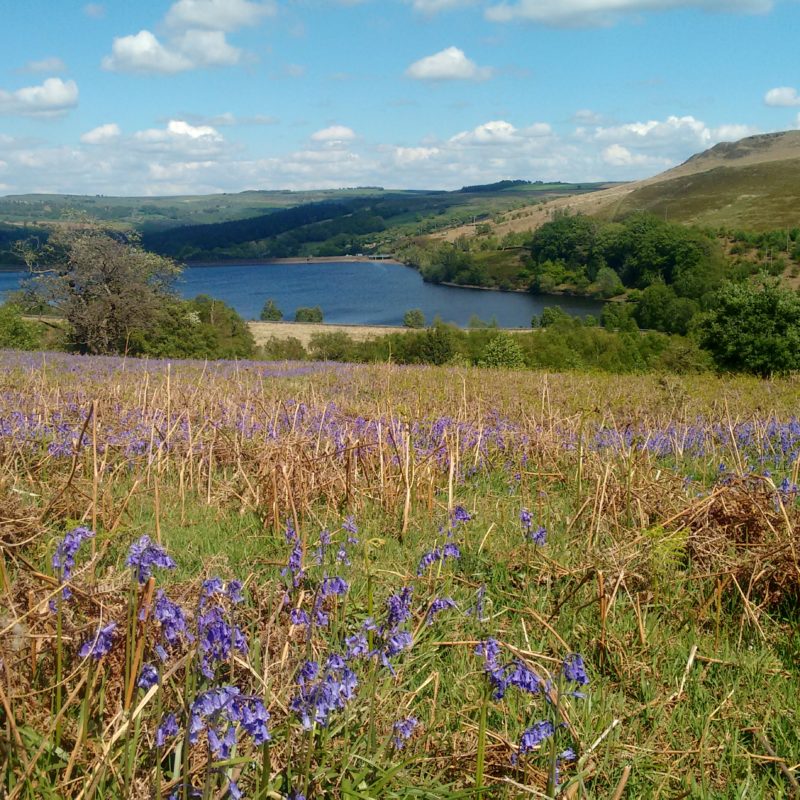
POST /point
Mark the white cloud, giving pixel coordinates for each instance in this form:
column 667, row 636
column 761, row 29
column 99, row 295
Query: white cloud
column 415, row 155
column 448, row 64
column 429, row 7
column 218, row 15
column 52, row 98
column 617, row 155
column 335, row 133
column 207, row 49
column 51, row 65
column 102, row 134
column 590, row 13
column 499, row 132
column 782, row 96
column 587, row 117
column 142, row 52
column 229, row 119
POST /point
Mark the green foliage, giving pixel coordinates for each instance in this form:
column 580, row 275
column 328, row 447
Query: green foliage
column 619, row 317
column 660, row 309
column 15, row 332
column 289, row 348
column 271, row 312
column 590, row 256
column 414, row 318
column 199, row 328
column 503, row 351
column 336, row 346
column 754, row 328
column 107, row 288
column 306, row 314
column 551, row 315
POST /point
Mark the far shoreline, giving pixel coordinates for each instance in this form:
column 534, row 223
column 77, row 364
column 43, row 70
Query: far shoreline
column 255, row 262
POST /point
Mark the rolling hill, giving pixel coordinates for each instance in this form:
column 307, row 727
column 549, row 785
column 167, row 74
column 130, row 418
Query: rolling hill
column 753, row 184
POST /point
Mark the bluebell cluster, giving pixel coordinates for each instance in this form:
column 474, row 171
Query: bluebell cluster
column 321, row 692
column 537, row 535
column 144, row 556
column 100, row 644
column 403, row 731
column 63, row 560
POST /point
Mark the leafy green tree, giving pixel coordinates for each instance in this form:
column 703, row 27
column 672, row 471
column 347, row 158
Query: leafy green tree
column 15, row 332
column 106, row 287
column 336, row 346
column 437, row 345
column 553, row 315
column 306, row 314
column 414, row 318
column 618, row 317
column 271, row 312
column 607, row 283
column 503, row 351
column 753, row 328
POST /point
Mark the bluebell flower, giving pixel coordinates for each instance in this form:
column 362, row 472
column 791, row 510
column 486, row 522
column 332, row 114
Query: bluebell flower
column 477, row 610
column 357, row 646
column 398, row 607
column 64, row 556
column 351, row 528
column 172, row 620
column 299, row 617
column 234, row 791
column 320, row 693
column 535, row 735
column 145, row 555
column 451, row 550
column 216, row 638
column 294, row 567
column 574, row 669
column 428, row 559
column 403, row 730
column 166, row 729
column 100, row 644
column 235, row 592
column 334, row 586
column 537, row 535
column 460, row 515
column 148, row 676
column 439, row 605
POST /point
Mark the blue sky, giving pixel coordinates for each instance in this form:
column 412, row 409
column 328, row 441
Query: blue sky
column 191, row 96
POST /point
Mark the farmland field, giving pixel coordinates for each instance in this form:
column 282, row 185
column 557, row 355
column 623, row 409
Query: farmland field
column 395, row 582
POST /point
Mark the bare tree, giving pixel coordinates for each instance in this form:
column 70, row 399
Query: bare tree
column 105, row 285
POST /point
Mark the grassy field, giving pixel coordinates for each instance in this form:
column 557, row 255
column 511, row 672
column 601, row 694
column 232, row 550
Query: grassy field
column 454, row 582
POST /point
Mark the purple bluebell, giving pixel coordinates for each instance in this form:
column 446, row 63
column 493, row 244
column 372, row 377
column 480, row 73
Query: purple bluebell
column 429, row 559
column 351, row 528
column 535, row 735
column 398, row 607
column 523, row 678
column 294, row 567
column 334, row 586
column 64, row 557
column 234, row 592
column 100, row 644
column 170, row 616
column 217, row 637
column 460, row 515
column 451, row 550
column 403, row 730
column 166, row 729
column 148, row 676
column 437, row 606
column 574, row 669
column 357, row 646
column 234, row 791
column 144, row 556
column 299, row 617
column 321, row 692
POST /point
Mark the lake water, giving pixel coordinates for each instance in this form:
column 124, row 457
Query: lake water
column 373, row 293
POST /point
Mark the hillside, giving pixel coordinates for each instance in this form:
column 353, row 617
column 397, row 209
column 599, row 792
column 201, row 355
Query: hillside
column 753, row 183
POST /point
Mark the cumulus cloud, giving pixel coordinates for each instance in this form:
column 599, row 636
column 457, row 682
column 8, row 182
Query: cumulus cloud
column 229, row 119
column 782, row 96
column 52, row 98
column 591, row 13
column 50, row 65
column 617, row 155
column 102, row 134
column 196, row 38
column 335, row 133
column 499, row 132
column 218, row 15
column 450, row 64
column 144, row 53
column 430, row 7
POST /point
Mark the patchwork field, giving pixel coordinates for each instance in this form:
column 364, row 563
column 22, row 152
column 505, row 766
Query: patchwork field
column 297, row 579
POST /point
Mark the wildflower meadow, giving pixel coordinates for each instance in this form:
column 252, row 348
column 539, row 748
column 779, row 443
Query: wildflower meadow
column 309, row 580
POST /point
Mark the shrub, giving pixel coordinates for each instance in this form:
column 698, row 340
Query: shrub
column 414, row 318
column 306, row 314
column 271, row 312
column 15, row 332
column 503, row 351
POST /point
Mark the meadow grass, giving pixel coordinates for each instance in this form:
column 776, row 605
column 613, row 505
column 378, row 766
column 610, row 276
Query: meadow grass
column 648, row 524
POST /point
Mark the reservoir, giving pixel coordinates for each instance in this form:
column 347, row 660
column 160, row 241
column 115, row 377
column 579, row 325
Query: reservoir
column 356, row 293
